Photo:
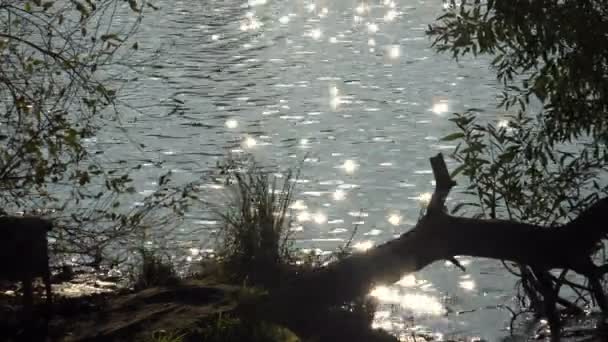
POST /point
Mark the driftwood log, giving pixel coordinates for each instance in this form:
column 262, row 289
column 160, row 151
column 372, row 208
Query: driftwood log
column 440, row 236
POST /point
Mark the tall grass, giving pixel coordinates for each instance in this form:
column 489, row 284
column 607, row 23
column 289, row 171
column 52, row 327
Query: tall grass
column 255, row 240
column 166, row 336
column 155, row 270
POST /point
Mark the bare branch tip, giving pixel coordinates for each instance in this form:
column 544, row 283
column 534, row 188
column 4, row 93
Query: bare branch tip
column 457, row 263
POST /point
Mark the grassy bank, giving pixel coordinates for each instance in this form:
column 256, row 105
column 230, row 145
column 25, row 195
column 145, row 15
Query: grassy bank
column 255, row 256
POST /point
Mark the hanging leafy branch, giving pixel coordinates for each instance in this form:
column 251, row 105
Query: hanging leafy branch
column 545, row 163
column 58, row 87
column 52, row 90
column 548, row 50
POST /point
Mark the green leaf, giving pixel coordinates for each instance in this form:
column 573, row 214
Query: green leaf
column 109, row 36
column 453, row 136
column 84, row 12
column 84, row 178
column 71, row 138
column 154, row 7
column 133, row 5
column 458, row 170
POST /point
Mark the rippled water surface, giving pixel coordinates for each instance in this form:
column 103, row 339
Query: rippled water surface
column 354, row 89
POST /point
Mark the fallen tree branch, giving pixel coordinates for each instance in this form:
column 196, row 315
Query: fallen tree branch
column 439, row 236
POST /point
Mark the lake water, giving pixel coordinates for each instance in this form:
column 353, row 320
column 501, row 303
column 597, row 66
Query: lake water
column 354, row 89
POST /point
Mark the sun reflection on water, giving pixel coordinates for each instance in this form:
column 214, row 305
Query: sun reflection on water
column 361, row 9
column 250, row 23
column 505, row 124
column 425, row 198
column 363, row 246
column 298, row 205
column 440, row 105
column 372, row 27
column 394, row 219
column 296, row 228
column 467, row 285
column 339, row 195
column 390, row 15
column 232, row 123
column 394, row 51
column 303, row 216
column 419, row 304
column 257, row 2
column 451, row 4
column 249, row 142
column 373, row 232
column 316, row 33
column 350, row 166
column 333, row 91
column 335, row 102
column 408, row 280
column 319, row 218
